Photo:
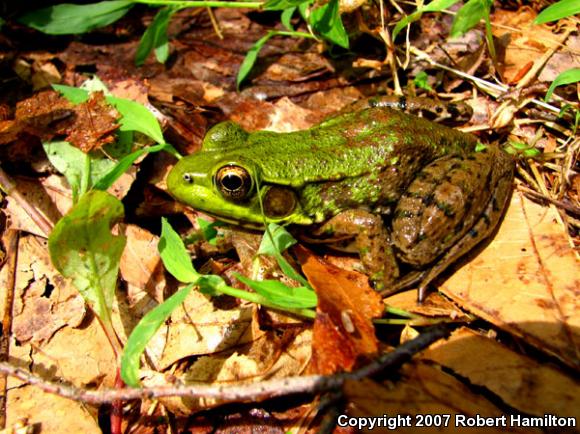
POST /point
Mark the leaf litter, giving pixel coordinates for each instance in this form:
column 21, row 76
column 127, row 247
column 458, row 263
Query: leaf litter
column 529, row 265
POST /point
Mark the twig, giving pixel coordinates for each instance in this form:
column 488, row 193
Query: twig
column 230, row 393
column 529, row 192
column 484, row 84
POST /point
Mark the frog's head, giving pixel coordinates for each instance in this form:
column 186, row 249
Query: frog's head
column 219, row 180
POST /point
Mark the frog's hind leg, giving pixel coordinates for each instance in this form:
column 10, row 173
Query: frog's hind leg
column 482, row 229
column 452, row 204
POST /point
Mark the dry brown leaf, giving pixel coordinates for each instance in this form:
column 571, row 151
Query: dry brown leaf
column 434, row 304
column 268, row 357
column 343, row 328
column 51, row 413
column 526, row 41
column 522, row 383
column 44, row 302
column 198, row 327
column 422, row 390
column 94, row 124
column 526, row 281
column 50, row 196
column 141, row 264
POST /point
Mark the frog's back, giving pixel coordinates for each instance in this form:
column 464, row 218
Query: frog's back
column 351, row 145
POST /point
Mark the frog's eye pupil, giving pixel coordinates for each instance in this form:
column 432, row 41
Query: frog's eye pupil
column 231, row 182
column 187, row 178
column 234, row 182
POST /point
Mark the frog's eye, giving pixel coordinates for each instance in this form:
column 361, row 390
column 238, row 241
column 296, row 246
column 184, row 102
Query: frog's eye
column 234, row 182
column 187, row 178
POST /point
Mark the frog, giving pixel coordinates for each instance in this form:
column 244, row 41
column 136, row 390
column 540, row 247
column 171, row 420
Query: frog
column 408, row 195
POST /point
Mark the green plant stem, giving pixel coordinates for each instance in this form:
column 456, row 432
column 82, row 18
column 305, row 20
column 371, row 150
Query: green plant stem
column 202, row 4
column 258, row 299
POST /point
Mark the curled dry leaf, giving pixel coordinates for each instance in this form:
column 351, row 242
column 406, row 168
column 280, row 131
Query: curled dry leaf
column 343, row 329
column 521, row 382
column 526, row 281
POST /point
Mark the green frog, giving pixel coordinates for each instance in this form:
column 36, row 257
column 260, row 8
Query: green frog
column 403, row 192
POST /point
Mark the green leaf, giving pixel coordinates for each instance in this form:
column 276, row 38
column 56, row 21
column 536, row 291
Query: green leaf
column 155, row 37
column 250, row 59
column 83, row 249
column 109, row 177
column 275, row 240
column 566, row 77
column 286, row 18
column 175, row 256
column 278, row 5
column 468, row 17
column 137, row 118
column 326, row 20
column 208, row 230
column 281, row 240
column 561, row 9
column 73, row 94
column 421, row 81
column 70, row 19
column 144, row 331
column 434, row 6
column 282, row 295
column 71, row 162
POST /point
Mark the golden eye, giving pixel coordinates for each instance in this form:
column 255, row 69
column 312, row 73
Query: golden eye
column 233, row 182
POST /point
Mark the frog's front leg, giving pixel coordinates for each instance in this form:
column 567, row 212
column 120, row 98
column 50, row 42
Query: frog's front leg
column 365, row 233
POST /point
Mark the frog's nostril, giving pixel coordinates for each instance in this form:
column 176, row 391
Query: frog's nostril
column 187, row 178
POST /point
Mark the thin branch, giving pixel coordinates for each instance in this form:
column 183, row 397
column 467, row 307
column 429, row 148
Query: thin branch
column 231, row 393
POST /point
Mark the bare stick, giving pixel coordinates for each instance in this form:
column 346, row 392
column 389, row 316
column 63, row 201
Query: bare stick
column 230, row 393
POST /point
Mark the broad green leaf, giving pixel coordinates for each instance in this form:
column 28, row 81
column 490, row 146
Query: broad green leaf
column 137, row 118
column 434, row 6
column 326, row 20
column 83, row 249
column 561, row 9
column 175, row 256
column 144, row 331
column 73, row 94
column 282, row 295
column 69, row 19
column 72, row 163
column 250, row 59
column 155, row 37
column 109, row 177
column 468, row 17
column 566, row 77
column 279, row 5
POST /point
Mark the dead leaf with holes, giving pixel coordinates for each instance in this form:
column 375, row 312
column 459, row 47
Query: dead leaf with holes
column 526, row 281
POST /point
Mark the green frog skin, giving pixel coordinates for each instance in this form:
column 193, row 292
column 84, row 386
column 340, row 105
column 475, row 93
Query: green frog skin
column 394, row 187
